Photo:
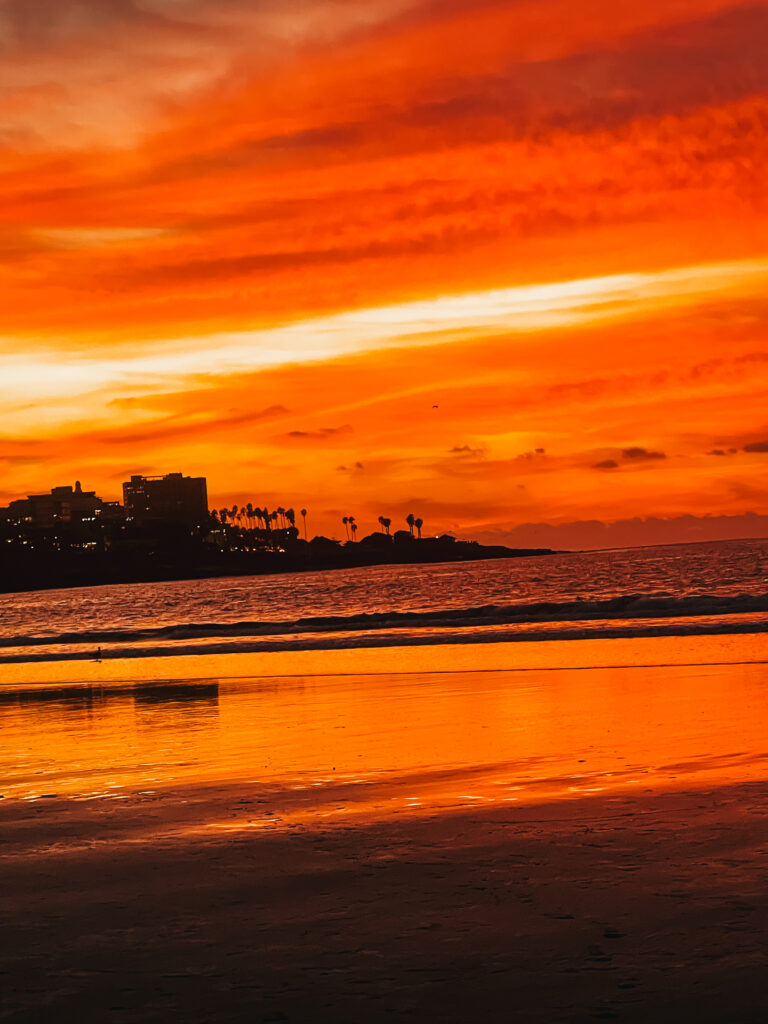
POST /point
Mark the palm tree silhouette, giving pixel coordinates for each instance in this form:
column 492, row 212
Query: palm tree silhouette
column 304, row 517
column 345, row 520
column 386, row 523
column 418, row 523
column 410, row 520
column 353, row 526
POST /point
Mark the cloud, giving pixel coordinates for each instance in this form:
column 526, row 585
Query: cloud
column 641, row 454
column 756, row 446
column 465, row 451
column 27, row 460
column 629, row 455
column 355, row 467
column 652, row 75
column 323, row 434
column 178, row 426
column 596, row 534
column 172, row 53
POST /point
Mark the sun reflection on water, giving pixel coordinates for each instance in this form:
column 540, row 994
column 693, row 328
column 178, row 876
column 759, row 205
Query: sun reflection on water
column 341, row 747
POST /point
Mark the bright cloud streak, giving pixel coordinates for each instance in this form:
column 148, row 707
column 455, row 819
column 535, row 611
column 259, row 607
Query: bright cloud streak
column 511, row 310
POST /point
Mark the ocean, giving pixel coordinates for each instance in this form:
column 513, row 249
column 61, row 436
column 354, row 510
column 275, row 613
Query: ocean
column 679, row 590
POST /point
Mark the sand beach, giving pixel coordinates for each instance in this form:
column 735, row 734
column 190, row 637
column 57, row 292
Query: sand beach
column 431, row 837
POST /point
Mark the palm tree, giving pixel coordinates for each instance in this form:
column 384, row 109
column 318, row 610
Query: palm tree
column 249, row 513
column 386, row 523
column 418, row 523
column 345, row 520
column 381, row 523
column 353, row 526
column 304, row 517
column 410, row 520
column 290, row 515
column 223, row 513
column 281, row 513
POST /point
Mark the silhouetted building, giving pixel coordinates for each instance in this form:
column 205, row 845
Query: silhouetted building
column 76, row 505
column 172, row 498
column 110, row 512
column 60, row 505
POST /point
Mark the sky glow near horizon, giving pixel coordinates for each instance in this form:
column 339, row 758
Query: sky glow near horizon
column 270, row 256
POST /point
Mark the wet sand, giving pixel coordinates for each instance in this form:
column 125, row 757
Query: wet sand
column 634, row 909
column 536, row 846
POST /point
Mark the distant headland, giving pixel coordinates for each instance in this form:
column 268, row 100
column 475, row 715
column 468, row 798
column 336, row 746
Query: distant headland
column 164, row 530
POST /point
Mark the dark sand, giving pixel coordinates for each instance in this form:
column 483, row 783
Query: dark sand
column 645, row 908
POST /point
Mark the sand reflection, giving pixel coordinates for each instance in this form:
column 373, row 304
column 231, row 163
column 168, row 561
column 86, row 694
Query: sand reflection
column 336, row 746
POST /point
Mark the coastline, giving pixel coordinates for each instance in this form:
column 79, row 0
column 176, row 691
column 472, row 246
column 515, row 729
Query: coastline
column 551, row 655
column 22, row 573
column 382, row 640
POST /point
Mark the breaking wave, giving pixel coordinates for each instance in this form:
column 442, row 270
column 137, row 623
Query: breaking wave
column 626, row 616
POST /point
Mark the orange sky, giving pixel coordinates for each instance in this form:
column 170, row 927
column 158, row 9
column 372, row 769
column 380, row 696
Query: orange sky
column 262, row 241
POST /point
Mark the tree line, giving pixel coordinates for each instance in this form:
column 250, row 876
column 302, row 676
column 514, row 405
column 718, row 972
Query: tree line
column 252, row 517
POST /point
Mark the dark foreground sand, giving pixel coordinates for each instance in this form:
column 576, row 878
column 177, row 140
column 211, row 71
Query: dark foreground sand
column 650, row 908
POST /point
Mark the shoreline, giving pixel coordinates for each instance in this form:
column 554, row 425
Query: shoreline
column 380, row 640
column 550, row 655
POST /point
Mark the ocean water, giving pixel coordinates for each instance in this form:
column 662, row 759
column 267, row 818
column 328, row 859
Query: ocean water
column 673, row 590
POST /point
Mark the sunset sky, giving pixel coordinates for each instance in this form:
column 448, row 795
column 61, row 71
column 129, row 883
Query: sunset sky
column 493, row 263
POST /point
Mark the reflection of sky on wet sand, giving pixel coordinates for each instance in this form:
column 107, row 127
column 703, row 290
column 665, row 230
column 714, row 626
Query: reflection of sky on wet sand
column 310, row 747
